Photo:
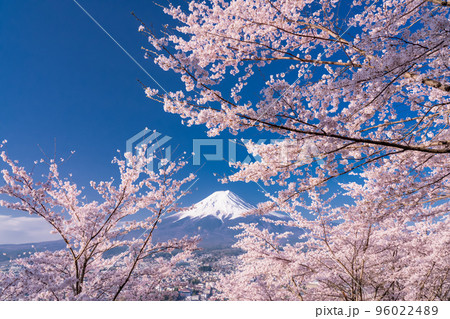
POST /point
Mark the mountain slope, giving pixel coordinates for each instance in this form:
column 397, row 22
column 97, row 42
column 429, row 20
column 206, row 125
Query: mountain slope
column 211, row 219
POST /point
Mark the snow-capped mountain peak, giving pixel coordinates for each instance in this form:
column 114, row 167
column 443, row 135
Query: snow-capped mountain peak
column 220, row 204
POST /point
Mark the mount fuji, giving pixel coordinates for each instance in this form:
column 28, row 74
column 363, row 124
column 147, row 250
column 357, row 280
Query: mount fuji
column 222, row 204
column 211, row 218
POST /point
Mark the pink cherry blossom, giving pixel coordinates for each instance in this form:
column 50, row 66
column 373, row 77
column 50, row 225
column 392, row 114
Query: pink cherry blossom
column 368, row 84
column 100, row 261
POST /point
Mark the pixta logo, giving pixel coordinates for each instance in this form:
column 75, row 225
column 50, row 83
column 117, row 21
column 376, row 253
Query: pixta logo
column 288, row 151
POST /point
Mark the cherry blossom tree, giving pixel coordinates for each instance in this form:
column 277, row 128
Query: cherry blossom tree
column 346, row 253
column 110, row 252
column 368, row 84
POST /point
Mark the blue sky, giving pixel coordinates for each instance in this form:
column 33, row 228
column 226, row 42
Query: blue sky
column 63, row 79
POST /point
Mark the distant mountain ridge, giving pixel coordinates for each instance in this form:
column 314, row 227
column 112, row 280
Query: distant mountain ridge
column 211, row 219
column 12, row 251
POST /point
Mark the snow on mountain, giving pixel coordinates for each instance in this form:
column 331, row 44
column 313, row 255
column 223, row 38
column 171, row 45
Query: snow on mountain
column 221, row 205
